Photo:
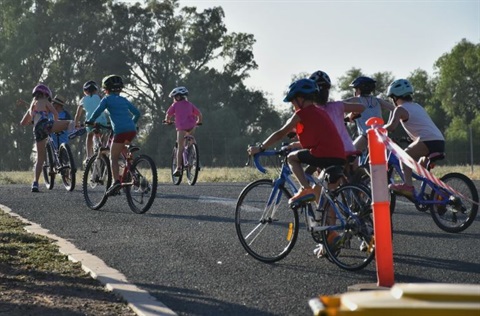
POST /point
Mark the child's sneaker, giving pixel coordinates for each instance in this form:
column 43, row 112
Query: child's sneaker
column 334, row 243
column 177, row 172
column 304, row 195
column 35, row 186
column 402, row 189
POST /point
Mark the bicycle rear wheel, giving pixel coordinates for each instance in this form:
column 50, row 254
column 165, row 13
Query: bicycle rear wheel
column 353, row 246
column 67, row 169
column 97, row 178
column 193, row 164
column 49, row 166
column 143, row 174
column 266, row 226
column 175, row 179
column 456, row 213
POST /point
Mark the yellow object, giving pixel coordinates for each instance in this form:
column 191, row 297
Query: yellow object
column 435, row 299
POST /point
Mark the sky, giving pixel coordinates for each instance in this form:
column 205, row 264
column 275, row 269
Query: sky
column 297, row 36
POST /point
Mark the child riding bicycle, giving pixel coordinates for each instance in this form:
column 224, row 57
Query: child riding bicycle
column 38, row 115
column 426, row 136
column 123, row 115
column 321, row 143
column 187, row 117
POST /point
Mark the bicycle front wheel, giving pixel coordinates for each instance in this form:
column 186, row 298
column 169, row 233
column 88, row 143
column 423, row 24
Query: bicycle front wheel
column 192, row 164
column 455, row 213
column 67, row 169
column 97, row 178
column 175, row 179
column 49, row 166
column 266, row 226
column 349, row 242
column 142, row 192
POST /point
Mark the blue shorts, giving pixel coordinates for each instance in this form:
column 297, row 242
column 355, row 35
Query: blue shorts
column 42, row 130
column 435, row 146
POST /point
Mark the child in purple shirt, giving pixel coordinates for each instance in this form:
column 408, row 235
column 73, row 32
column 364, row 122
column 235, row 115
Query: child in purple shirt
column 187, row 117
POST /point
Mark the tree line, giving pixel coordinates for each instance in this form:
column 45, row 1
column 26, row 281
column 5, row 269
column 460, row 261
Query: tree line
column 160, row 45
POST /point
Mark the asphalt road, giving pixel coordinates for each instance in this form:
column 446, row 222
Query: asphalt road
column 185, row 251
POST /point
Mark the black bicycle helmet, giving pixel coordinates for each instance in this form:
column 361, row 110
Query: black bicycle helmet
column 366, row 85
column 322, row 79
column 90, row 86
column 112, row 83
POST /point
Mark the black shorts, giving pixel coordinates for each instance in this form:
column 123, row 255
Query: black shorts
column 435, row 146
column 305, row 156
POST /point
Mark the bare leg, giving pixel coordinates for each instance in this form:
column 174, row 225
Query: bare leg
column 297, row 169
column 115, row 151
column 415, row 150
column 41, row 151
column 89, row 144
column 181, row 143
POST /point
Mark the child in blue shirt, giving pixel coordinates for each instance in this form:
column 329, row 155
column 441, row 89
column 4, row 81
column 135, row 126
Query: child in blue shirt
column 123, row 117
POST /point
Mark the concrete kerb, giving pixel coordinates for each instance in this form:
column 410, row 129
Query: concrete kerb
column 140, row 301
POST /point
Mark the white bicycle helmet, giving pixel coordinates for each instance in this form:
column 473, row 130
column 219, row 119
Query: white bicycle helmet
column 178, row 91
column 400, row 88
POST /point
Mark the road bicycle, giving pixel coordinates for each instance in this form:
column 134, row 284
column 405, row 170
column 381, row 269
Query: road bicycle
column 138, row 176
column 59, row 161
column 267, row 226
column 191, row 160
column 452, row 210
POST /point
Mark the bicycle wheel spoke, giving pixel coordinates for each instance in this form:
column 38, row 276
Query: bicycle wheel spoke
column 452, row 212
column 143, row 188
column 97, row 178
column 266, row 226
column 349, row 241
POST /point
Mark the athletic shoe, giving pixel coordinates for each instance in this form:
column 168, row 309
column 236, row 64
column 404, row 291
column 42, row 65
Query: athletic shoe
column 333, row 242
column 177, row 172
column 35, row 186
column 304, row 195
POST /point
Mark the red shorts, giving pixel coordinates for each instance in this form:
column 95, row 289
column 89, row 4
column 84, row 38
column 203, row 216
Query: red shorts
column 124, row 137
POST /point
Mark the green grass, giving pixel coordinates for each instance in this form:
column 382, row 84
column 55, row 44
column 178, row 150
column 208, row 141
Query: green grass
column 224, row 174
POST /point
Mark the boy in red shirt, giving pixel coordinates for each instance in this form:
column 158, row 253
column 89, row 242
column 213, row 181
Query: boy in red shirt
column 321, row 144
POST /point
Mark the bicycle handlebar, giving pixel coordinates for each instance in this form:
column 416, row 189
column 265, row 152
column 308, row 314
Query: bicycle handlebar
column 171, row 123
column 98, row 125
column 267, row 153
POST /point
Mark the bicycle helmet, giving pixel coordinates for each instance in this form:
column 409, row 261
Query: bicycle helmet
column 178, row 91
column 112, row 83
column 400, row 88
column 90, row 86
column 366, row 85
column 322, row 79
column 43, row 89
column 302, row 87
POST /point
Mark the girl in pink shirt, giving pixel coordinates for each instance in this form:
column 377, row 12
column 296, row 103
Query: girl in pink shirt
column 187, row 117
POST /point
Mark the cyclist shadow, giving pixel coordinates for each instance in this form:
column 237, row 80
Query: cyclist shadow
column 436, row 263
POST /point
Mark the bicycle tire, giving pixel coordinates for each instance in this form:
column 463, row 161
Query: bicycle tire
column 97, row 178
column 354, row 247
column 265, row 237
column 457, row 214
column 193, row 164
column 393, row 196
column 49, row 167
column 143, row 173
column 67, row 169
column 175, row 179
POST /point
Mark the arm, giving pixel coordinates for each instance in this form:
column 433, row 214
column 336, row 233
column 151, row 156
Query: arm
column 277, row 135
column 398, row 114
column 78, row 114
column 136, row 113
column 170, row 113
column 26, row 119
column 386, row 105
column 100, row 108
column 53, row 111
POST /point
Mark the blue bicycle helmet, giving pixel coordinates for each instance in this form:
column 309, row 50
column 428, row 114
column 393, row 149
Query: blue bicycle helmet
column 366, row 85
column 302, row 87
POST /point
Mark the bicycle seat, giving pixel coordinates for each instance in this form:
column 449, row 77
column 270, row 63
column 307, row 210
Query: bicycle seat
column 333, row 173
column 133, row 148
column 436, row 156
